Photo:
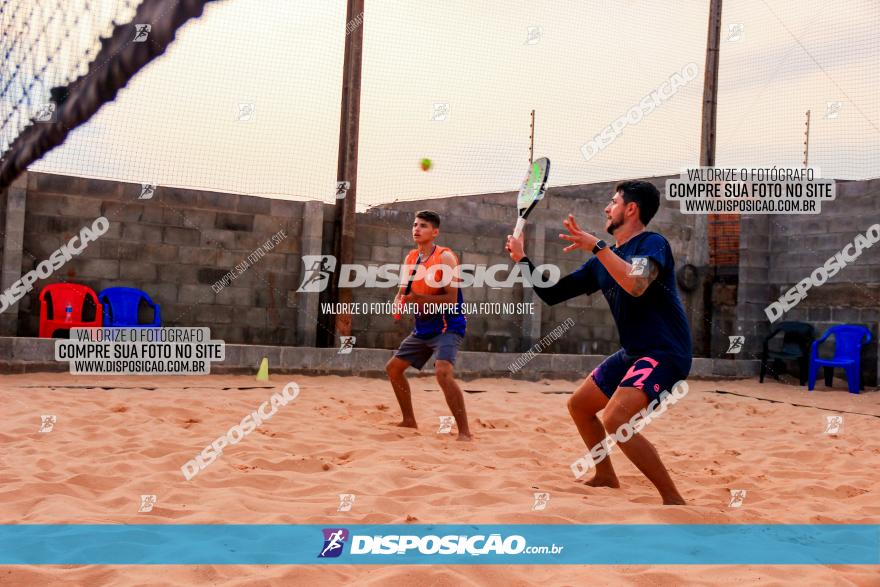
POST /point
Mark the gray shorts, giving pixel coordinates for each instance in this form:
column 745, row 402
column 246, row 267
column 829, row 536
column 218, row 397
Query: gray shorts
column 417, row 351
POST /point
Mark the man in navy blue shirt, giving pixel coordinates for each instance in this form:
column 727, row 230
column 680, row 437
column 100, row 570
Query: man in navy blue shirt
column 637, row 276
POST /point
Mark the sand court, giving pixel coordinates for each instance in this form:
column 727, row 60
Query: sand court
column 112, row 442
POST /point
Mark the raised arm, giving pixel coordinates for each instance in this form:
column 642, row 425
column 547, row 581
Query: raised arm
column 620, row 270
column 574, row 284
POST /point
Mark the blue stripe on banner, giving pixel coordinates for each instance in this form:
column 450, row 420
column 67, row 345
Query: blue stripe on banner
column 715, row 544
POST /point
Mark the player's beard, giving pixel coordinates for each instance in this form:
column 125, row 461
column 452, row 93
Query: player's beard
column 614, row 226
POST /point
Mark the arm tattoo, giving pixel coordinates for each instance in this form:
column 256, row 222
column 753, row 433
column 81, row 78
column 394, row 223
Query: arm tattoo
column 642, row 282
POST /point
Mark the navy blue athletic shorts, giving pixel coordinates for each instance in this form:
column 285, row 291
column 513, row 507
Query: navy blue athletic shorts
column 652, row 372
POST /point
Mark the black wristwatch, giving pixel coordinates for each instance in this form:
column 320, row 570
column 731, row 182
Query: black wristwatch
column 599, row 246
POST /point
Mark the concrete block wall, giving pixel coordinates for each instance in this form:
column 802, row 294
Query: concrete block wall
column 754, row 289
column 12, row 232
column 180, row 242
column 174, row 246
column 475, row 227
column 2, row 221
column 780, row 250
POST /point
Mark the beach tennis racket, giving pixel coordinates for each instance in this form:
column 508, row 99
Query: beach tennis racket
column 531, row 192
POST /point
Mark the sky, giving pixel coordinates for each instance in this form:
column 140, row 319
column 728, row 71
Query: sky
column 455, row 81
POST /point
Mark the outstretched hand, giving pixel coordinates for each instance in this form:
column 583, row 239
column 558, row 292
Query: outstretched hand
column 579, row 239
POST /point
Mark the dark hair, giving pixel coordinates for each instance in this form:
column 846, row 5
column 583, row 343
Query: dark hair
column 430, row 216
column 644, row 194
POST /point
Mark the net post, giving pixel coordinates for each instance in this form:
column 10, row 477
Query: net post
column 347, row 164
column 707, row 159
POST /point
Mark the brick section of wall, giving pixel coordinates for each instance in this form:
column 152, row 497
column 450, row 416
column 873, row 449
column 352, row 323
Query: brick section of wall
column 724, row 232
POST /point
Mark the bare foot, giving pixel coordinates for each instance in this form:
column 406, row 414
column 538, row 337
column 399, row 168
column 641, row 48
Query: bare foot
column 408, row 424
column 603, row 481
column 673, row 500
column 464, row 437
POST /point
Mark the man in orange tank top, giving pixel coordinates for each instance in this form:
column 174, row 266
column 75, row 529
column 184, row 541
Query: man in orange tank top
column 436, row 332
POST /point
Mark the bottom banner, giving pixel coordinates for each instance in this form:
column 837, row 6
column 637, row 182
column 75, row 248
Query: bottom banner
column 533, row 544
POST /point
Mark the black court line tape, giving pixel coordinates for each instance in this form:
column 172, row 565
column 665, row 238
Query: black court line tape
column 776, row 401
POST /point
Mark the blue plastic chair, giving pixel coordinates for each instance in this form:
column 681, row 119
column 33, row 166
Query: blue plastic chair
column 121, row 306
column 848, row 342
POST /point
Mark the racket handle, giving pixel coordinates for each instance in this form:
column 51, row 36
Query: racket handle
column 520, row 224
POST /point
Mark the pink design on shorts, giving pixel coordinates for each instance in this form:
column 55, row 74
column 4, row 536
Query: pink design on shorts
column 641, row 373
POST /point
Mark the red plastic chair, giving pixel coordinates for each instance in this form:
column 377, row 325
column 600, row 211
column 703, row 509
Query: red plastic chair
column 62, row 307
